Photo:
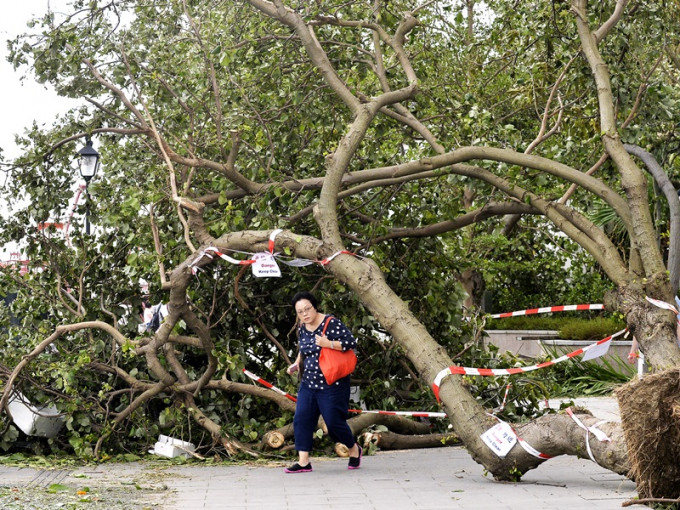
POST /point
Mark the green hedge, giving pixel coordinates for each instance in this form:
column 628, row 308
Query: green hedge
column 568, row 327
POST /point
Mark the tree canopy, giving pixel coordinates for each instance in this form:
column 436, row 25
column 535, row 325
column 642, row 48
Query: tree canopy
column 418, row 136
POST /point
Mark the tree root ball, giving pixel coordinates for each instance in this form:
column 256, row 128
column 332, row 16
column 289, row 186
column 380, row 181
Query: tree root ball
column 650, row 416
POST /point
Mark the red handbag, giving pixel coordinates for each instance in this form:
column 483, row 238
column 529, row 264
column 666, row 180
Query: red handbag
column 336, row 364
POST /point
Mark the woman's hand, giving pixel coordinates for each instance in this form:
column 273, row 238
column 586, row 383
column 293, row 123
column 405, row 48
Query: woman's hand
column 632, row 357
column 323, row 341
column 292, row 368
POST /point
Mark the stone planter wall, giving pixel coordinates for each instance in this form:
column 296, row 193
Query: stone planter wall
column 532, row 343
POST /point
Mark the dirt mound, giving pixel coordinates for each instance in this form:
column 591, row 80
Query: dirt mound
column 650, row 415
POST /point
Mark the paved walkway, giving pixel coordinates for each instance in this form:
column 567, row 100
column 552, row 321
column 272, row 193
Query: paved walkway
column 416, row 479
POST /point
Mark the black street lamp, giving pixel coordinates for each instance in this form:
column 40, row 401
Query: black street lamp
column 88, row 164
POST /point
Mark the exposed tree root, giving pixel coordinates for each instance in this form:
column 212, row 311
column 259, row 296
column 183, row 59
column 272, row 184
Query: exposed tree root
column 650, row 414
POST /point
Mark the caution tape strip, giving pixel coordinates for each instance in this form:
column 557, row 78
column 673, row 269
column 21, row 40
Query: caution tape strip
column 593, row 430
column 548, row 309
column 456, row 370
column 415, row 414
column 211, row 249
column 329, row 259
column 207, row 252
column 590, row 430
column 81, row 188
column 662, row 304
column 505, row 398
column 272, row 238
column 269, row 385
column 530, row 449
column 665, row 306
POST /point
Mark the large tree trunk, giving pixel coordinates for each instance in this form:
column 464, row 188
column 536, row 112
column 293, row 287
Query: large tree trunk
column 467, row 416
column 654, row 328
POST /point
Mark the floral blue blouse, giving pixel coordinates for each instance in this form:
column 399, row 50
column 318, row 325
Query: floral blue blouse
column 337, row 332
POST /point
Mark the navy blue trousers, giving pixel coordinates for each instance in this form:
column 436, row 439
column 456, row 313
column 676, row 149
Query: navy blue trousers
column 331, row 403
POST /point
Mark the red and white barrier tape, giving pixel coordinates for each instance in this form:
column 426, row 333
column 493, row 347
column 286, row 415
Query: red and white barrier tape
column 327, row 260
column 272, row 240
column 590, row 430
column 456, row 370
column 548, row 309
column 530, row 449
column 593, row 430
column 505, row 398
column 269, row 385
column 81, row 188
column 211, row 249
column 415, row 414
column 662, row 304
column 665, row 306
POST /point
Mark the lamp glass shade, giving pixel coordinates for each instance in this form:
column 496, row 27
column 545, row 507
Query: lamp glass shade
column 89, row 161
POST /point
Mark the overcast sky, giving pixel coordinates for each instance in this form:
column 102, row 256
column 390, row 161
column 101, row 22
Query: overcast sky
column 21, row 103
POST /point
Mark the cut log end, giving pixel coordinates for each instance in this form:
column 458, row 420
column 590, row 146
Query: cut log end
column 341, row 450
column 274, row 439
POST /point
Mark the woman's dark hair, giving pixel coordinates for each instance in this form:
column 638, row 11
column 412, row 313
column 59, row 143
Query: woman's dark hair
column 305, row 295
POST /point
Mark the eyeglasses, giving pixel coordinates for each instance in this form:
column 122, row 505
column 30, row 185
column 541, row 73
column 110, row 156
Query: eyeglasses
column 305, row 311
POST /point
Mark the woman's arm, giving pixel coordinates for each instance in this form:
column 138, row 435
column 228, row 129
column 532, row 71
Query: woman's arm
column 337, row 337
column 633, row 355
column 295, row 366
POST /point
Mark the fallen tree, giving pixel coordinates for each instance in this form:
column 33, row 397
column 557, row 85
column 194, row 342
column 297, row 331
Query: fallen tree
column 347, row 137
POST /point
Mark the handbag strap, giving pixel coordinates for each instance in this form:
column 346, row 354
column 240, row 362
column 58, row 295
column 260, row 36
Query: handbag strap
column 325, row 326
column 327, row 320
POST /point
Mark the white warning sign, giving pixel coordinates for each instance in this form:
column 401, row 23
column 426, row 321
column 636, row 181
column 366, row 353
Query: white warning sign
column 265, row 266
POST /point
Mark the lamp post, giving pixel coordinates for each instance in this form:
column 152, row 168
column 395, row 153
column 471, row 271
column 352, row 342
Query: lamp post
column 88, row 164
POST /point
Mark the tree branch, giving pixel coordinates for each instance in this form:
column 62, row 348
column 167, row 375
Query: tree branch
column 632, row 179
column 606, row 27
column 487, row 211
column 671, row 195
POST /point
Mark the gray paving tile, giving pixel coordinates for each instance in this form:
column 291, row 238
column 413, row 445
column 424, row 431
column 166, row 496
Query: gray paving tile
column 416, row 479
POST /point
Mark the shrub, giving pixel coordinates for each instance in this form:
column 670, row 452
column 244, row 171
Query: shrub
column 568, row 327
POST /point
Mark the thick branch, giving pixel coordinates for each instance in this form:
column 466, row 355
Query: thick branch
column 606, row 27
column 316, row 53
column 671, row 195
column 118, row 92
column 591, row 238
column 481, row 214
column 632, row 179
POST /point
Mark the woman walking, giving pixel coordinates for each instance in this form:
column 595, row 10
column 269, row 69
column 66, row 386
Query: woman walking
column 315, row 396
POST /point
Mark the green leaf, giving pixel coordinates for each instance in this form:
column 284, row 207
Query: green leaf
column 57, row 487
